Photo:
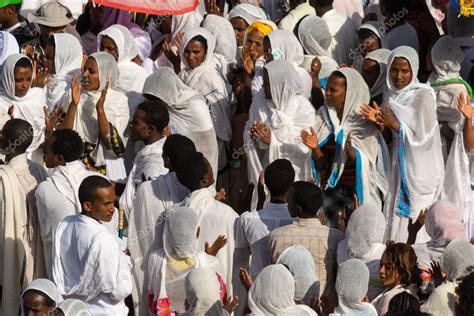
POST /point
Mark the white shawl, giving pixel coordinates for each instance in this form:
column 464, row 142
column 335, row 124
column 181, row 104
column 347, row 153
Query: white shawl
column 8, row 46
column 67, row 62
column 226, row 44
column 247, row 12
column 379, row 30
column 380, row 56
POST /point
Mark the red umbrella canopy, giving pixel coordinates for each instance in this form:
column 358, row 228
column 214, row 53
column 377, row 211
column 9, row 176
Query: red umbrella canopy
column 157, row 7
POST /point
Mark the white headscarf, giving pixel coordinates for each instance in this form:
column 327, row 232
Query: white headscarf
column 272, row 293
column 301, row 264
column 447, row 57
column 67, row 62
column 73, row 307
column 351, row 286
column 8, row 46
column 47, row 287
column 223, row 31
column 202, row 293
column 185, row 22
column 458, row 255
column 381, row 57
column 378, row 29
column 144, row 47
column 248, row 12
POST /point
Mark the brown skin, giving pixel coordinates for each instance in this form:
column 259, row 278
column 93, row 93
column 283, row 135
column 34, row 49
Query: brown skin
column 370, row 71
column 254, row 44
column 34, row 304
column 336, row 94
column 165, row 26
column 388, row 273
column 90, row 75
column 208, row 178
column 267, row 49
column 49, row 53
column 23, row 78
column 369, row 44
column 8, row 16
column 194, row 54
column 52, row 160
column 400, row 73
column 240, row 27
column 102, row 208
column 141, row 131
column 108, row 45
column 47, row 31
column 266, row 85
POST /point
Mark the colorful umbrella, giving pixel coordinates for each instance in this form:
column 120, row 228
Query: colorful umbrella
column 157, row 7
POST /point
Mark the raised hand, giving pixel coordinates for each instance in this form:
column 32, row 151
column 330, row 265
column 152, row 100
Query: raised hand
column 42, row 78
column 261, row 131
column 315, row 67
column 76, row 90
column 247, row 62
column 413, row 228
column 436, row 271
column 230, row 305
column 213, row 8
column 51, row 119
column 221, row 195
column 100, row 103
column 218, row 244
column 310, row 140
column 464, row 106
column 370, row 112
column 385, row 118
column 245, row 278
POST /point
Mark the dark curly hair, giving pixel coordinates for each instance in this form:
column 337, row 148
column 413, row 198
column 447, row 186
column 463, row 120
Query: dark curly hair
column 190, row 170
column 465, row 292
column 403, row 258
column 279, row 176
column 68, row 144
column 176, row 146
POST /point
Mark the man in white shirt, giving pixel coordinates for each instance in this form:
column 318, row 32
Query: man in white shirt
column 342, row 28
column 88, row 263
column 149, row 125
column 21, row 251
column 253, row 228
column 57, row 197
column 299, row 9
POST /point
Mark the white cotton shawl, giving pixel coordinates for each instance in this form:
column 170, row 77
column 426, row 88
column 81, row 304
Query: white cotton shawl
column 247, row 12
column 379, row 30
column 8, row 46
column 300, row 262
column 28, row 107
column 285, row 115
column 184, row 23
column 189, row 113
column 380, row 56
column 67, row 62
column 418, row 140
column 351, row 287
column 272, row 293
column 315, row 38
column 226, row 44
column 46, row 287
column 73, row 307
column 285, row 46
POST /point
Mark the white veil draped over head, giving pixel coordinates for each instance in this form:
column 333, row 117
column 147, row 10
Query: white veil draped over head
column 8, row 46
column 380, row 56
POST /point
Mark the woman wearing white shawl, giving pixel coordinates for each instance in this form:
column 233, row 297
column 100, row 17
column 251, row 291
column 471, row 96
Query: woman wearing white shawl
column 273, row 293
column 8, row 46
column 203, row 77
column 364, row 241
column 300, row 262
column 371, row 37
column 103, row 152
column 314, row 35
column 447, row 56
column 410, row 113
column 285, row 46
column 354, row 163
column 457, row 257
column 131, row 76
column 443, row 224
column 351, row 287
column 241, row 17
column 67, row 61
column 189, row 113
column 27, row 101
column 280, row 117
column 169, row 266
column 374, row 72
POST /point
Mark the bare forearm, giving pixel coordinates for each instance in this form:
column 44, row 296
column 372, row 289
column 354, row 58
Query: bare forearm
column 68, row 121
column 247, row 94
column 468, row 133
column 103, row 129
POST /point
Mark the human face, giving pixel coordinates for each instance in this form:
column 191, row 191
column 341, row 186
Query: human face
column 23, row 77
column 336, row 92
column 240, row 27
column 51, row 160
column 266, row 85
column 139, row 130
column 388, row 272
column 108, row 45
column 400, row 73
column 47, row 31
column 267, row 49
column 209, row 176
column 369, row 44
column 49, row 53
column 194, row 54
column 254, row 44
column 90, row 75
column 34, row 304
column 102, row 208
column 370, row 71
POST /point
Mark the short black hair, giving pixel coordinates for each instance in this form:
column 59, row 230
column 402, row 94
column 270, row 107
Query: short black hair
column 465, row 291
column 190, row 169
column 24, row 62
column 308, row 196
column 156, row 114
column 177, row 146
column 403, row 304
column 19, row 134
column 279, row 175
column 89, row 186
column 68, row 144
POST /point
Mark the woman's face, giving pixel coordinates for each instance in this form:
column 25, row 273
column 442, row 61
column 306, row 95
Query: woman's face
column 400, row 73
column 254, row 44
column 34, row 304
column 23, row 77
column 240, row 27
column 266, row 85
column 369, row 44
column 370, row 71
column 49, row 54
column 108, row 45
column 388, row 272
column 194, row 54
column 336, row 92
column 90, row 75
column 267, row 49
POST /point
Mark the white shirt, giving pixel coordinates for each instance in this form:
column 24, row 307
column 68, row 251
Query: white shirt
column 89, row 265
column 254, row 227
column 294, row 16
column 344, row 36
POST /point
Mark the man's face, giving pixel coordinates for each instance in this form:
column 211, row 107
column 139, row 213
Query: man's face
column 139, row 130
column 33, row 304
column 102, row 208
column 51, row 160
column 4, row 14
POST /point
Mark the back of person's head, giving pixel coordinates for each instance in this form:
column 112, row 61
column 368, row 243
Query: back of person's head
column 17, row 136
column 402, row 257
column 395, row 7
column 305, row 198
column 89, row 186
column 465, row 292
column 190, row 170
column 404, row 304
column 176, row 146
column 279, row 175
column 68, row 144
column 156, row 114
column 321, row 3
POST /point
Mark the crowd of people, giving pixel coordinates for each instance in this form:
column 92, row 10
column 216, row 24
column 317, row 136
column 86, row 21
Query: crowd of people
column 249, row 157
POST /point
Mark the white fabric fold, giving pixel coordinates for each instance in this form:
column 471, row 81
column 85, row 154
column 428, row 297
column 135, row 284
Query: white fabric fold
column 8, row 45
